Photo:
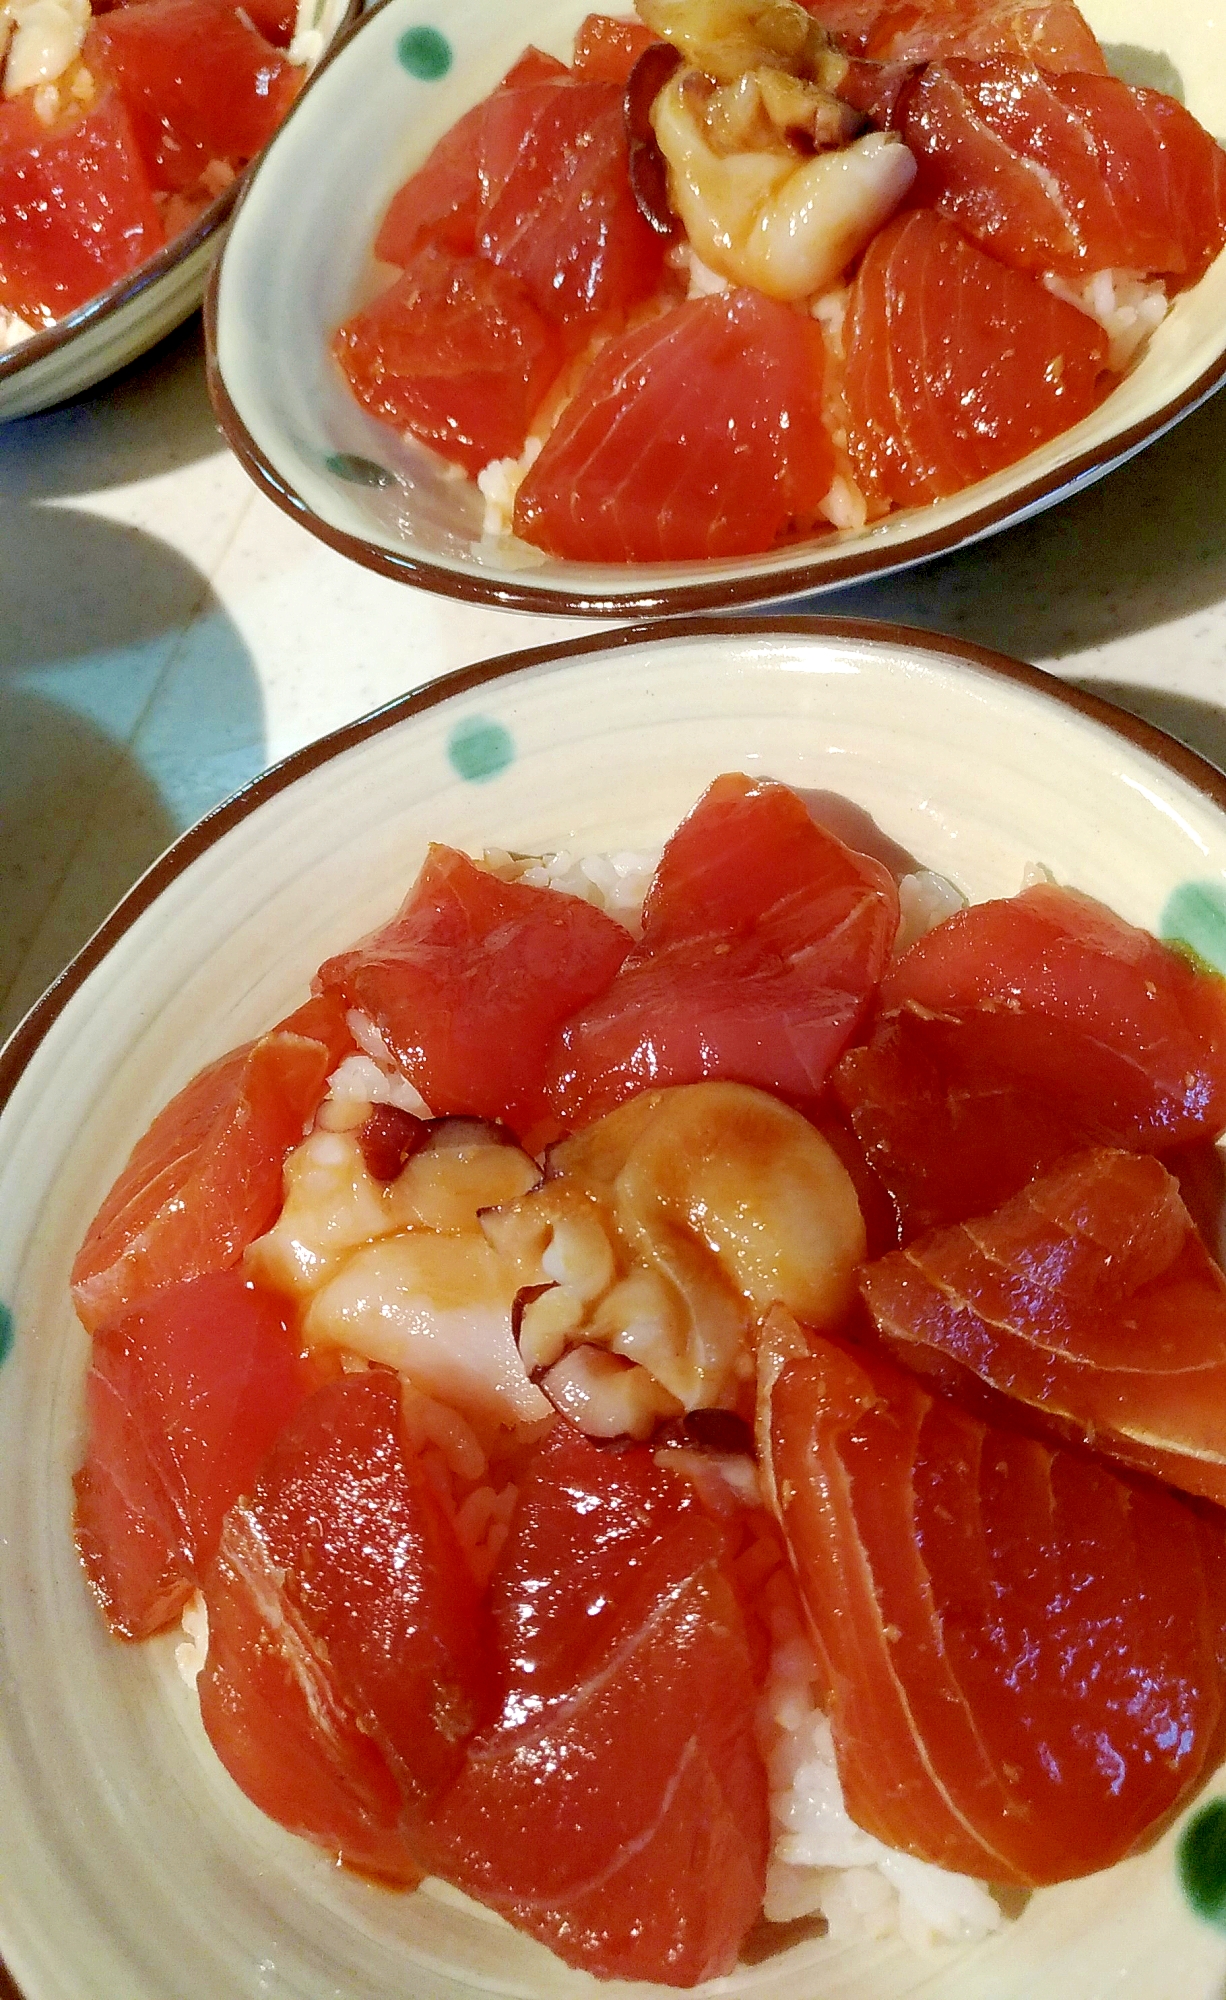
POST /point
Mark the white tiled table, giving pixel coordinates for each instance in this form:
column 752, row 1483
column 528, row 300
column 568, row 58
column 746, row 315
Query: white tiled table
column 165, row 632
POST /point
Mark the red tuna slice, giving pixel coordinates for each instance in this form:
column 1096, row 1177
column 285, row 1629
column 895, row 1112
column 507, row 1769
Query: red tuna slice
column 205, row 1180
column 956, row 365
column 558, row 210
column 347, row 1660
column 199, row 81
column 1070, row 174
column 945, row 1133
column 763, row 937
column 455, row 352
column 471, row 980
column 76, row 209
column 1089, row 1297
column 1021, row 1645
column 1053, row 37
column 1054, row 989
column 442, row 202
column 617, row 1809
column 698, row 434
column 607, row 48
column 186, row 1394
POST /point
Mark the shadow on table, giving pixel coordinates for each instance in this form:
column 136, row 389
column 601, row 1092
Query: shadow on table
column 1143, row 547
column 1199, row 724
column 112, row 735
column 152, row 417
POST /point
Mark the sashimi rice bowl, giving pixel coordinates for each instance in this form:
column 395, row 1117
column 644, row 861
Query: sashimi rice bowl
column 723, row 282
column 656, row 1410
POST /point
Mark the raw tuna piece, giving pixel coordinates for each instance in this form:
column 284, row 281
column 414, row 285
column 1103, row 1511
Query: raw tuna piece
column 1054, row 989
column 697, row 434
column 471, row 980
column 442, row 202
column 455, row 352
column 347, row 1657
column 1054, row 36
column 558, row 211
column 947, row 1134
column 763, row 937
column 606, row 49
column 199, row 82
column 956, row 365
column 1022, row 1646
column 205, row 1180
column 617, row 1808
column 186, row 1394
column 76, row 208
column 1072, row 173
column 1090, row 1298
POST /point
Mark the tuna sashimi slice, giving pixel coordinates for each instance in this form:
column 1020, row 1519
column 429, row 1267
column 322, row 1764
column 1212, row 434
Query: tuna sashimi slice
column 471, row 980
column 617, row 1809
column 1053, row 989
column 1054, row 34
column 763, row 937
column 185, row 1395
column 454, row 351
column 348, row 1659
column 1090, row 1298
column 607, row 47
column 76, row 208
column 1068, row 173
column 956, row 365
column 558, row 210
column 697, row 434
column 1021, row 1645
column 946, row 1133
column 205, row 1180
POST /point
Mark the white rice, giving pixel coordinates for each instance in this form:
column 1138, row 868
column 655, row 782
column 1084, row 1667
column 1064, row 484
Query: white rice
column 13, row 330
column 616, row 883
column 821, row 1862
column 1127, row 306
column 924, row 901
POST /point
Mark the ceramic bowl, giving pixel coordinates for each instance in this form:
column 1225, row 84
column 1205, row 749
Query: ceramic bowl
column 298, row 258
column 129, row 1863
column 129, row 317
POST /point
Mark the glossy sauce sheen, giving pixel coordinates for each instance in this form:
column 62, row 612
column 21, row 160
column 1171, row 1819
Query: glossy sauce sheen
column 1068, row 173
column 185, row 1395
column 1022, row 1648
column 956, row 365
column 1090, row 1298
column 763, row 937
column 471, row 980
column 348, row 1659
column 205, row 1180
column 617, row 1807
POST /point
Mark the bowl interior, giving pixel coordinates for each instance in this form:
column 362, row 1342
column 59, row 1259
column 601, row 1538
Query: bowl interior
column 129, row 1863
column 298, row 262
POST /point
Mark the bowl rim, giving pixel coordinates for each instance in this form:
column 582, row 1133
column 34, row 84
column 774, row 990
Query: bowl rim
column 790, row 579
column 95, row 311
column 23, row 1043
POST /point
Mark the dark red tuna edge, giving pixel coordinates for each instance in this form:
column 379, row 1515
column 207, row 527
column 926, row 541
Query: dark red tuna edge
column 211, row 223
column 26, row 1037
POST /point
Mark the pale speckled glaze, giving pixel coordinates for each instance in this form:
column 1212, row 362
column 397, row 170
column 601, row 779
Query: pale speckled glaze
column 128, row 1862
column 298, row 257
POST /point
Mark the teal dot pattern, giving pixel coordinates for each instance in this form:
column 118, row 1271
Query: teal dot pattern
column 1194, row 920
column 1202, row 1863
column 425, row 53
column 6, row 1330
column 479, row 749
column 357, row 470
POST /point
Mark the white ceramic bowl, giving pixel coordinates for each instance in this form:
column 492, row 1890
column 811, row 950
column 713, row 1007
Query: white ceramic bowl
column 129, row 1864
column 130, row 316
column 296, row 262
